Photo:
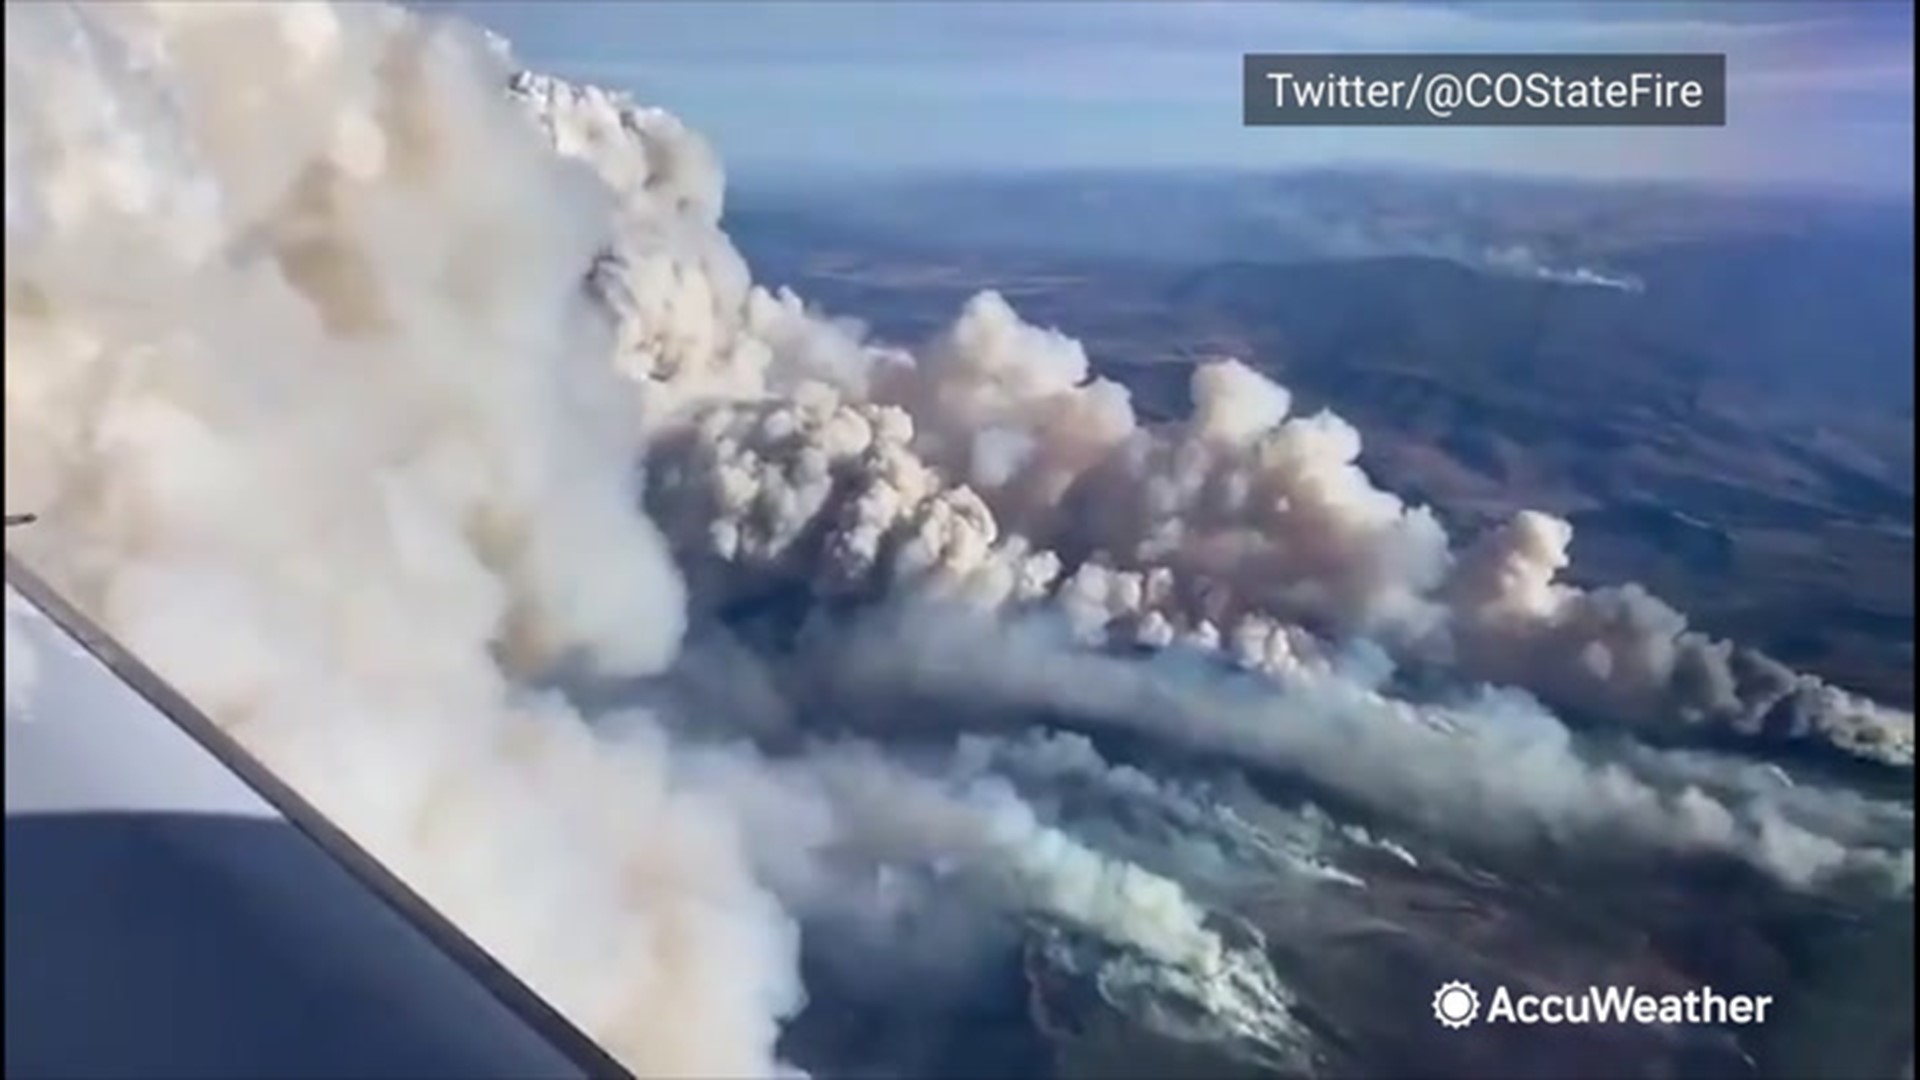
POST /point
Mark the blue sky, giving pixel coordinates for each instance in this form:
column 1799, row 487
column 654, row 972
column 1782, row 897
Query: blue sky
column 1820, row 91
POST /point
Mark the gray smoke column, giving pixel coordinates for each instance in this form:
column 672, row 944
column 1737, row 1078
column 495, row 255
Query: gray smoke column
column 1623, row 654
column 995, row 463
column 1243, row 527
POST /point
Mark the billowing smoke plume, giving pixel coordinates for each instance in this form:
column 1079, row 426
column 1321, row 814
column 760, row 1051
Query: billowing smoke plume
column 996, row 462
column 328, row 377
column 1624, row 654
column 318, row 420
column 1245, row 527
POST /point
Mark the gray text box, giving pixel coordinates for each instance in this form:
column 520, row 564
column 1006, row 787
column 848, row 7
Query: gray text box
column 1485, row 89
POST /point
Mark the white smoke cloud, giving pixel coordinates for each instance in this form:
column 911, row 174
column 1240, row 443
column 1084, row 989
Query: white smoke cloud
column 1521, row 261
column 301, row 379
column 328, row 377
column 854, row 835
column 1496, row 769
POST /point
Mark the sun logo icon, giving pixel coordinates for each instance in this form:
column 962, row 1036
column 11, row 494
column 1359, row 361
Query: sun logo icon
column 1455, row 1005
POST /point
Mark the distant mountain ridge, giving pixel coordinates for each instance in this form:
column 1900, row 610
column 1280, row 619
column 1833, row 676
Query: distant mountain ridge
column 1824, row 320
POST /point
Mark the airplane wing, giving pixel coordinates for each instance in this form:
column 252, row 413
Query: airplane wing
column 174, row 910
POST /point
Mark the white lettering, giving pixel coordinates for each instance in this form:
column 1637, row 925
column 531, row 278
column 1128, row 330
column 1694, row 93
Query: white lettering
column 1477, row 89
column 1624, row 1005
column 1280, row 81
column 1609, row 1004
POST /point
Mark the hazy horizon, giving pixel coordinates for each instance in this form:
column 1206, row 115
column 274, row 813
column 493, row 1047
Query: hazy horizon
column 1820, row 95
